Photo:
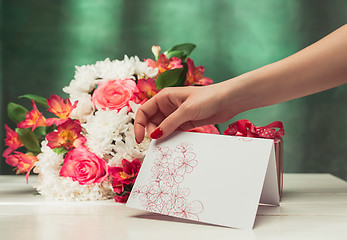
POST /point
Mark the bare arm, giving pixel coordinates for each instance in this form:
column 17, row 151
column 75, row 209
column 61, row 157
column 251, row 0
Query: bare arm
column 321, row 66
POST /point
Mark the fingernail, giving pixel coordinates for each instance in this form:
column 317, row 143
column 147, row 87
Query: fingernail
column 157, row 133
column 138, row 142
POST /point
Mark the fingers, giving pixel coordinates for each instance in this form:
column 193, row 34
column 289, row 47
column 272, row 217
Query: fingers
column 139, row 126
column 152, row 113
column 171, row 123
column 155, row 110
column 170, row 109
column 142, row 117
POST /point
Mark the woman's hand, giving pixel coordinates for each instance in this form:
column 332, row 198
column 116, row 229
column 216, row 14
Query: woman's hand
column 180, row 108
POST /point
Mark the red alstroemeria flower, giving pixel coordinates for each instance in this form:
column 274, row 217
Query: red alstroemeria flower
column 205, row 129
column 123, row 176
column 164, row 64
column 195, row 75
column 62, row 108
column 67, row 136
column 127, row 173
column 12, row 141
column 122, row 199
column 147, row 88
column 33, row 119
column 22, row 162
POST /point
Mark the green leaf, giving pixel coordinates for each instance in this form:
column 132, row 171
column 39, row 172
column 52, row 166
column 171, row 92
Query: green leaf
column 128, row 187
column 42, row 131
column 186, row 48
column 172, row 78
column 122, row 193
column 177, row 53
column 28, row 139
column 60, row 150
column 16, row 112
column 38, row 99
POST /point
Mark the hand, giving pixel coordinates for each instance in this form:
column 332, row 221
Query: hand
column 180, row 108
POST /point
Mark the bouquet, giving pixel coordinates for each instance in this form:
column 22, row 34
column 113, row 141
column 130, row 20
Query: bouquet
column 86, row 149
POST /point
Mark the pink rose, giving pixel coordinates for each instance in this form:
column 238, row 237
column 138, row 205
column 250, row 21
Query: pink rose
column 114, row 94
column 84, row 166
column 205, row 129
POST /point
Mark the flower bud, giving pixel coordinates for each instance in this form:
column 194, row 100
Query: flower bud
column 156, row 51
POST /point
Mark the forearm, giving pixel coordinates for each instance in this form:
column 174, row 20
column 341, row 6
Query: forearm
column 318, row 67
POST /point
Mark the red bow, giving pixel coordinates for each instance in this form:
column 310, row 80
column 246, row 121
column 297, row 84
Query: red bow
column 247, row 129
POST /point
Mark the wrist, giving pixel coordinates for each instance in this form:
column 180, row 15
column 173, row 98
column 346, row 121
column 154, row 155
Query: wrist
column 234, row 96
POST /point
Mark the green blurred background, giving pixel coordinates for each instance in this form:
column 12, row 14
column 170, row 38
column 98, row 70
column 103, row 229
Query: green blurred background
column 41, row 41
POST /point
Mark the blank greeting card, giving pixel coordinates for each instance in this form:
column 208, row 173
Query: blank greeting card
column 210, row 178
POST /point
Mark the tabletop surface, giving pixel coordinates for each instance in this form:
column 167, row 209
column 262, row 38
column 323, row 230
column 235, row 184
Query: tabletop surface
column 313, row 206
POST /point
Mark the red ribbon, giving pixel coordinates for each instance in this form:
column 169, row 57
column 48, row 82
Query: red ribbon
column 247, row 129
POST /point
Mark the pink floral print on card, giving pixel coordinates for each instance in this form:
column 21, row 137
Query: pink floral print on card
column 165, row 193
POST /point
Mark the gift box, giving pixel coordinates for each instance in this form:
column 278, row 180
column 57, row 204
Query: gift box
column 273, row 131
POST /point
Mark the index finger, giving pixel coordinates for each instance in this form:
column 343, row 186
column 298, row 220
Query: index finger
column 143, row 114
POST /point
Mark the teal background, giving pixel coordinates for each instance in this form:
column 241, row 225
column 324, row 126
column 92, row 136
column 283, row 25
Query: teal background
column 41, row 41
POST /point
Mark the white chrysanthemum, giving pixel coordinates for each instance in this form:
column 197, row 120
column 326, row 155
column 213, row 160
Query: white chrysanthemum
column 113, row 70
column 49, row 162
column 141, row 68
column 125, row 145
column 105, row 127
column 134, row 149
column 118, row 154
column 128, row 148
column 84, row 81
column 84, row 107
column 134, row 107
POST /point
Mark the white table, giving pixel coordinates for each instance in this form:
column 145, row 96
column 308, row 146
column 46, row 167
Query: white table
column 314, row 206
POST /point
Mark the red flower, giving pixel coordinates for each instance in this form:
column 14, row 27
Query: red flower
column 33, row 119
column 164, row 64
column 62, row 108
column 68, row 136
column 127, row 173
column 147, row 88
column 124, row 176
column 22, row 162
column 12, row 141
column 122, row 199
column 194, row 75
column 205, row 129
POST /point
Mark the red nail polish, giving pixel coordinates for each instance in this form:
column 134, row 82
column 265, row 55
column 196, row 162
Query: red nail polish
column 157, row 133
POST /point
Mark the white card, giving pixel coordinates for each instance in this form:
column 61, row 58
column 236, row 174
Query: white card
column 210, row 178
